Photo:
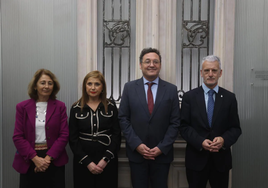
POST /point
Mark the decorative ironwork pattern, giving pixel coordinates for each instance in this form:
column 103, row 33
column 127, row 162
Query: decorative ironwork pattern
column 194, row 42
column 180, row 94
column 197, row 33
column 116, row 45
column 118, row 33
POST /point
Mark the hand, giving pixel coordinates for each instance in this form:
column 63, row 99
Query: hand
column 36, row 170
column 94, row 169
column 206, row 144
column 102, row 164
column 217, row 144
column 148, row 153
column 48, row 158
column 41, row 164
column 154, row 152
column 143, row 150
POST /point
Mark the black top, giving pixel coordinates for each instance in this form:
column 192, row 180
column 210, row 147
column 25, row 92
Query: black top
column 94, row 134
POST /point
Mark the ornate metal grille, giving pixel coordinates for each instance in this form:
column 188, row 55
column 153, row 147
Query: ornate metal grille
column 195, row 36
column 116, row 45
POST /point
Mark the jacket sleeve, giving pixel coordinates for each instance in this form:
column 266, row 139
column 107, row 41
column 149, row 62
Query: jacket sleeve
column 116, row 135
column 174, row 121
column 74, row 140
column 232, row 134
column 21, row 137
column 132, row 138
column 187, row 131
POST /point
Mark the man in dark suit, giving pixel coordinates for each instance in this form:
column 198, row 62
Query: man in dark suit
column 150, row 123
column 210, row 128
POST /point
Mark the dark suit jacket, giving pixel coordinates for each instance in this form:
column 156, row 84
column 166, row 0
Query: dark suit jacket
column 195, row 128
column 57, row 133
column 159, row 129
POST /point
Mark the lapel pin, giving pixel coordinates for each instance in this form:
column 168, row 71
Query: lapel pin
column 221, row 95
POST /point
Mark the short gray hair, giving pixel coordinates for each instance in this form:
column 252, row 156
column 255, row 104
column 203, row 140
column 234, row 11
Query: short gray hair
column 211, row 58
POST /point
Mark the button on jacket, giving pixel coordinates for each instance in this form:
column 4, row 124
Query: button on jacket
column 94, row 134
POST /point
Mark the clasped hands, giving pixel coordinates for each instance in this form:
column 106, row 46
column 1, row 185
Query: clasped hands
column 213, row 146
column 97, row 168
column 148, row 153
column 41, row 164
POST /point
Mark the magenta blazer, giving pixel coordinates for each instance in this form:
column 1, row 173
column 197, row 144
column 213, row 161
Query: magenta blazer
column 57, row 133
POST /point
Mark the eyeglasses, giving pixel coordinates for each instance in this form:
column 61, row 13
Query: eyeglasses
column 148, row 61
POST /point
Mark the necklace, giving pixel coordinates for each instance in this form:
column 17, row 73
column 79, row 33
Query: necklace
column 40, row 114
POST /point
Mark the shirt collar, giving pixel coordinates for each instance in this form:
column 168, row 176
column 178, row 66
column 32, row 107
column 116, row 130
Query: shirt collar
column 206, row 89
column 156, row 81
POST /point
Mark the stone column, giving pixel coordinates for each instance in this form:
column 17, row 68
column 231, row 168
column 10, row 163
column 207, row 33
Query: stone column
column 156, row 27
column 86, row 39
column 224, row 28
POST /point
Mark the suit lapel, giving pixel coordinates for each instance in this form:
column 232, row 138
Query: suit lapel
column 50, row 109
column 218, row 102
column 200, row 100
column 141, row 95
column 159, row 95
column 31, row 111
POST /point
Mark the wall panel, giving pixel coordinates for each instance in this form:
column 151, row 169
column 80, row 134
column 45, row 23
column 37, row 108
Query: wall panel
column 250, row 167
column 35, row 34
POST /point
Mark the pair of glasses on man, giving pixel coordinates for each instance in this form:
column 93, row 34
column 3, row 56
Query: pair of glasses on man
column 148, row 62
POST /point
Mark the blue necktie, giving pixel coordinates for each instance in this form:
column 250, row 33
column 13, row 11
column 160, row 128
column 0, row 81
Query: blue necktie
column 210, row 106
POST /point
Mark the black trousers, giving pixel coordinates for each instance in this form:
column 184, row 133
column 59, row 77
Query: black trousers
column 199, row 179
column 53, row 177
column 149, row 173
